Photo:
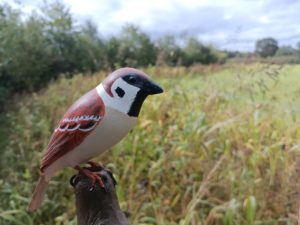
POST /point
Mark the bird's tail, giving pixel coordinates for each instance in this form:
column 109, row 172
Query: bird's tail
column 38, row 194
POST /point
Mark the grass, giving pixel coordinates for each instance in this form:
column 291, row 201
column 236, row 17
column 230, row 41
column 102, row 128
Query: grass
column 220, row 146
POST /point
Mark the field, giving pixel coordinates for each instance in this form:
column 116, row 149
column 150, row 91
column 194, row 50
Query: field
column 220, row 146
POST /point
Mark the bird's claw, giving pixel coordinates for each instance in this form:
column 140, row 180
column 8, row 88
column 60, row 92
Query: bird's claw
column 93, row 173
column 95, row 167
column 96, row 179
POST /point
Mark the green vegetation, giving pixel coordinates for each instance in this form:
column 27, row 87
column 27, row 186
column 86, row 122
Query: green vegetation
column 266, row 47
column 38, row 47
column 220, row 146
column 41, row 46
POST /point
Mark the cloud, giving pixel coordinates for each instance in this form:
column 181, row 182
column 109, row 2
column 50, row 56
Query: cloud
column 231, row 24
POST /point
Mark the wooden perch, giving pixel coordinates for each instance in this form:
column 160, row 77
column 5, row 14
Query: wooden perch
column 97, row 206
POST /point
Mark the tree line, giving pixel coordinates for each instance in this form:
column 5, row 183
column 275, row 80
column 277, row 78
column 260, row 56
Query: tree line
column 38, row 47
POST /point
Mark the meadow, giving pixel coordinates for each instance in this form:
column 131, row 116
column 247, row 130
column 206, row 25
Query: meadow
column 220, row 146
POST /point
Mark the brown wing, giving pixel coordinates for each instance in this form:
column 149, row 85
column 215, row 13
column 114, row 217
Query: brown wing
column 78, row 122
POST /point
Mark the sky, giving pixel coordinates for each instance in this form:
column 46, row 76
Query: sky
column 227, row 24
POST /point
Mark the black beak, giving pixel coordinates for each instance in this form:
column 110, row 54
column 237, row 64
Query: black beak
column 152, row 88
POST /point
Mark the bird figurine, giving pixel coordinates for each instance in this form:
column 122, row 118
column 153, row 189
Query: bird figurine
column 94, row 123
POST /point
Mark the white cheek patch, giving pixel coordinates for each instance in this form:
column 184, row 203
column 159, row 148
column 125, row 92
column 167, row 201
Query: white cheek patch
column 122, row 104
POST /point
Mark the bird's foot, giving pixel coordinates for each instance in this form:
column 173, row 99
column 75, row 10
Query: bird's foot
column 92, row 176
column 95, row 167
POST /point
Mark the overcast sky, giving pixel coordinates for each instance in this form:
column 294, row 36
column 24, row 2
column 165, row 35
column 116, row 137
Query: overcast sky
column 228, row 24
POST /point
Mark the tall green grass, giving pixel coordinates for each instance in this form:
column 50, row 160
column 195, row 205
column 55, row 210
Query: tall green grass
column 220, row 146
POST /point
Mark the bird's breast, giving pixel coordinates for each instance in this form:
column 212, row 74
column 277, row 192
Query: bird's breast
column 113, row 128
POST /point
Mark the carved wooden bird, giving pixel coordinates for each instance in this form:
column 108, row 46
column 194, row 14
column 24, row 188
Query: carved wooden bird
column 94, row 123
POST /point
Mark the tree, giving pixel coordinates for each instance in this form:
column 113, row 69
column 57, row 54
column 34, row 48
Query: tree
column 196, row 52
column 112, row 55
column 266, row 47
column 285, row 50
column 90, row 48
column 135, row 48
column 169, row 52
column 24, row 57
column 37, row 48
column 60, row 30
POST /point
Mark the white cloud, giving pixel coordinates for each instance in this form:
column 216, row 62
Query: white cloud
column 264, row 19
column 235, row 24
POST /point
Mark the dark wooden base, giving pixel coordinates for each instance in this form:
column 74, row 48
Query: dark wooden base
column 96, row 205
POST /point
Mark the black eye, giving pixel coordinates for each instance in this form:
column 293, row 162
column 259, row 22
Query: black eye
column 132, row 80
column 120, row 92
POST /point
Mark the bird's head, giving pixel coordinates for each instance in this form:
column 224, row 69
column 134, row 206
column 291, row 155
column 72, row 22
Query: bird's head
column 127, row 88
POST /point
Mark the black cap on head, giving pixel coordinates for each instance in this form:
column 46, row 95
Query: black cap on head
column 143, row 83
